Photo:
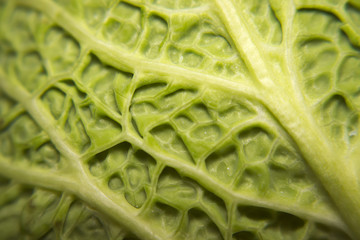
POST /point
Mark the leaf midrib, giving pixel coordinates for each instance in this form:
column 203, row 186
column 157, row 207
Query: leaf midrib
column 292, row 113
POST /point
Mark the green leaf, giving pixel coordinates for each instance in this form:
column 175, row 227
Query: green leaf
column 185, row 119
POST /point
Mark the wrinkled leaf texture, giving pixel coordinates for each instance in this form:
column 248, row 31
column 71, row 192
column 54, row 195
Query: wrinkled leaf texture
column 179, row 119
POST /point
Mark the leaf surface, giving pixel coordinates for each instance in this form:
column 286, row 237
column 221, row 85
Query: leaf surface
column 232, row 119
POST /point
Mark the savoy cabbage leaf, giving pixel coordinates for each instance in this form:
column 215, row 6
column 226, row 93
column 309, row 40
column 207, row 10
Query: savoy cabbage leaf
column 179, row 119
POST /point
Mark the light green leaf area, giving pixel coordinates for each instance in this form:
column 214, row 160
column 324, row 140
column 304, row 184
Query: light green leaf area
column 184, row 119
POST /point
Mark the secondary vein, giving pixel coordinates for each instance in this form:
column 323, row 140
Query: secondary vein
column 244, row 42
column 132, row 62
